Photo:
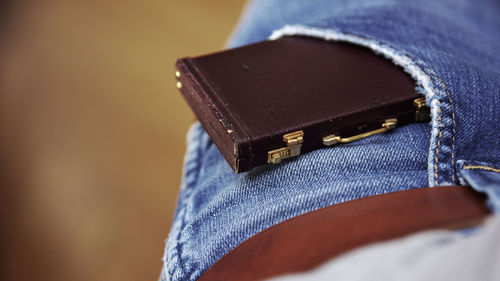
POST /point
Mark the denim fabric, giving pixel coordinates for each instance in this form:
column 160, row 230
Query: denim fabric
column 450, row 49
column 484, row 178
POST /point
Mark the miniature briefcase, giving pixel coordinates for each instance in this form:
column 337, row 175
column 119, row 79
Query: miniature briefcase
column 272, row 100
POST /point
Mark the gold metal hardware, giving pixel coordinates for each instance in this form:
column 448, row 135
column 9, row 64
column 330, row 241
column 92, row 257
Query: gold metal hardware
column 178, row 75
column 421, row 110
column 386, row 126
column 293, row 143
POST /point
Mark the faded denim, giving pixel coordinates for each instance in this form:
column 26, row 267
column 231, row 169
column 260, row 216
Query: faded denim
column 451, row 50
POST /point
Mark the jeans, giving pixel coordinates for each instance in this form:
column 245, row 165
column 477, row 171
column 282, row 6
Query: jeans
column 449, row 47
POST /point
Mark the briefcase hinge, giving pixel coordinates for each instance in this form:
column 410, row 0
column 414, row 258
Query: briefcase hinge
column 422, row 112
column 293, row 143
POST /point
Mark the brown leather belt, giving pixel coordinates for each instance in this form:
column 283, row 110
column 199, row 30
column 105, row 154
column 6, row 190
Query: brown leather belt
column 303, row 242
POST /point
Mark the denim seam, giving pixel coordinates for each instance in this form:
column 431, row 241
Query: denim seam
column 178, row 247
column 469, row 171
column 426, row 79
column 437, row 106
column 452, row 107
column 190, row 178
column 453, row 130
column 481, row 167
column 437, row 149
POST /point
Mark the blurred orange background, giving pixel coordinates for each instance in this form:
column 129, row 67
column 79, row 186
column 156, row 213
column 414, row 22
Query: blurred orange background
column 93, row 131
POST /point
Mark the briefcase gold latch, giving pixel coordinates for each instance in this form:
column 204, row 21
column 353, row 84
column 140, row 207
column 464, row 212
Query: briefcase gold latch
column 386, row 126
column 422, row 112
column 293, row 143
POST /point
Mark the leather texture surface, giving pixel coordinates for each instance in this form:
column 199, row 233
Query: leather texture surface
column 306, row 241
column 247, row 98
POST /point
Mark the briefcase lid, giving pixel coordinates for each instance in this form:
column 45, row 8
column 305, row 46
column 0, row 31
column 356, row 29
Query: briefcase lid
column 272, row 100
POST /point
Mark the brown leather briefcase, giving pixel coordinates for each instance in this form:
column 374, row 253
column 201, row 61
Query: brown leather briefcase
column 273, row 100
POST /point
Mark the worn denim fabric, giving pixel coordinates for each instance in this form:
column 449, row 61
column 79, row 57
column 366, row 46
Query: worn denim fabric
column 484, row 178
column 449, row 47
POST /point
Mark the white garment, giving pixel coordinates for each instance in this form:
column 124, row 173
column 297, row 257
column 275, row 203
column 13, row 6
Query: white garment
column 431, row 255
